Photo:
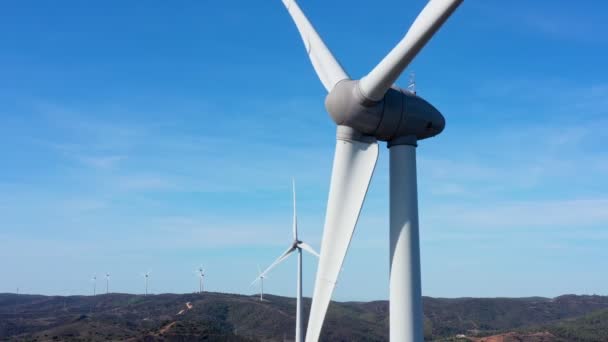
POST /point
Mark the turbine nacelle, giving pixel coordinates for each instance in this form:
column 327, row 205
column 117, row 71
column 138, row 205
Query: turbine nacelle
column 398, row 114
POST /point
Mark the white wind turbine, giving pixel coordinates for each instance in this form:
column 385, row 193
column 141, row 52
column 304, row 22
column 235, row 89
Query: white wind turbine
column 147, row 277
column 260, row 278
column 201, row 274
column 298, row 246
column 365, row 111
column 107, row 283
column 94, row 281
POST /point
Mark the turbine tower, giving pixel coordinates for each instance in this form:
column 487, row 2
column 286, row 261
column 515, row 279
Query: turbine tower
column 296, row 245
column 365, row 111
column 107, row 283
column 260, row 278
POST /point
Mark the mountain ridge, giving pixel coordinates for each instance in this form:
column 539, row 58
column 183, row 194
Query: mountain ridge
column 233, row 317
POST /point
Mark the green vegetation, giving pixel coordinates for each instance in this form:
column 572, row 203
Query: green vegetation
column 589, row 328
column 228, row 317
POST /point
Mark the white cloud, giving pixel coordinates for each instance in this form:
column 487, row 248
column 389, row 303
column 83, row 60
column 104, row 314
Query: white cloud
column 550, row 214
column 102, row 162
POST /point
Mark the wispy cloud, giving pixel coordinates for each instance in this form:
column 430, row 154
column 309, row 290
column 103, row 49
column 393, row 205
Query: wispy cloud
column 144, row 182
column 577, row 22
column 517, row 215
column 102, row 162
column 548, row 143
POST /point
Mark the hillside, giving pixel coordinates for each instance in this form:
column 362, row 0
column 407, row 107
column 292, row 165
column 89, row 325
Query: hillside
column 229, row 317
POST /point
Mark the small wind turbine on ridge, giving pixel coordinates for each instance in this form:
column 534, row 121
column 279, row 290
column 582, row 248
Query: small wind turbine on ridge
column 260, row 278
column 201, row 274
column 94, row 280
column 107, row 283
column 146, row 276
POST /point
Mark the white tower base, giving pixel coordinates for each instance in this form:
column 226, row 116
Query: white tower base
column 299, row 299
column 405, row 308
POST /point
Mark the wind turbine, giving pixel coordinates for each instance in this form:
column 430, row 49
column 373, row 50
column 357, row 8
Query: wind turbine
column 201, row 273
column 146, row 276
column 296, row 245
column 260, row 278
column 107, row 283
column 365, row 111
column 94, row 280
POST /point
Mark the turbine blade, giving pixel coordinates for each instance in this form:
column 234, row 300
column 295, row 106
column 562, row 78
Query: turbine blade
column 327, row 67
column 258, row 279
column 381, row 78
column 295, row 213
column 279, row 260
column 353, row 167
column 308, row 248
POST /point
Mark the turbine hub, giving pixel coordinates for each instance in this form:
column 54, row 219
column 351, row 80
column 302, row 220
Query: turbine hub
column 399, row 114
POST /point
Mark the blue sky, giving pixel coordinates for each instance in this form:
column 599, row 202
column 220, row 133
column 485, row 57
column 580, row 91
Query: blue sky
column 161, row 136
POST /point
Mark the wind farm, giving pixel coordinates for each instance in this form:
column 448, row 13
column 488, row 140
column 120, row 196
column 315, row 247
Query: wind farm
column 450, row 159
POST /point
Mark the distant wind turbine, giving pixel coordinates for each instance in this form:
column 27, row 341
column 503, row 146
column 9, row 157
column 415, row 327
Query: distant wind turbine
column 260, row 278
column 296, row 245
column 146, row 276
column 94, row 280
column 107, row 283
column 201, row 274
